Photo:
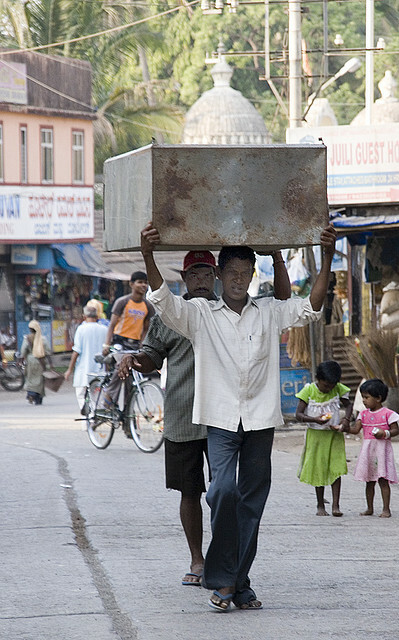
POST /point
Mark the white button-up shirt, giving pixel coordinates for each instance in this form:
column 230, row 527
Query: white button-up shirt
column 237, row 357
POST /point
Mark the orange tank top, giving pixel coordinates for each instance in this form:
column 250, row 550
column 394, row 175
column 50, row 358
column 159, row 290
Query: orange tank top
column 130, row 324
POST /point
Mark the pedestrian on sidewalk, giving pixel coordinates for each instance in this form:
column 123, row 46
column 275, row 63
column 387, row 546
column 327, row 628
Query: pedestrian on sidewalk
column 185, row 442
column 35, row 349
column 323, row 459
column 236, row 343
column 88, row 342
column 376, row 461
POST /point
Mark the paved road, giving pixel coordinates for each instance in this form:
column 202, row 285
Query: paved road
column 92, row 547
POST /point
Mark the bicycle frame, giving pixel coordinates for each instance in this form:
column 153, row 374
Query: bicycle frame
column 130, row 383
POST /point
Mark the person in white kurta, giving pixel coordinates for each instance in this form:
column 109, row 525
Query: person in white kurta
column 88, row 342
column 235, row 342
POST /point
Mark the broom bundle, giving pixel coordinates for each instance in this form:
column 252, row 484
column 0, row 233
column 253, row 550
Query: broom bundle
column 373, row 355
column 298, row 346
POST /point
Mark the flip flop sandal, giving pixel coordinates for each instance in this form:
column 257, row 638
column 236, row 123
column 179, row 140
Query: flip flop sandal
column 223, row 602
column 192, row 583
column 252, row 605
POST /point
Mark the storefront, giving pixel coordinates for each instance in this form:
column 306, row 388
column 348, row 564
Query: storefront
column 54, row 287
column 374, row 266
column 363, row 189
column 7, row 316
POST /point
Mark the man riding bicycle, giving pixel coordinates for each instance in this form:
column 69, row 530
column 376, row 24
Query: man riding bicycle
column 130, row 318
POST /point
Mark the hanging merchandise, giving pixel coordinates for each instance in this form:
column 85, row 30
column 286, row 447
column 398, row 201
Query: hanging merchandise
column 390, row 306
column 6, row 302
column 299, row 275
column 298, row 346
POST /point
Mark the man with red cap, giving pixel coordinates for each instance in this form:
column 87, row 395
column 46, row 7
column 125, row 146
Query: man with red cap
column 185, row 442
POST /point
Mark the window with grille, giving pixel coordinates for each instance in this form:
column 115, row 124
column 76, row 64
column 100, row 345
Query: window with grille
column 23, row 149
column 47, row 155
column 77, row 157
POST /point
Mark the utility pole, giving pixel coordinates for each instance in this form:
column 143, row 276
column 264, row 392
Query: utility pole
column 325, row 39
column 295, row 62
column 369, row 98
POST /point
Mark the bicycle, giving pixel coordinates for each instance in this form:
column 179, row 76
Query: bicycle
column 141, row 416
column 11, row 376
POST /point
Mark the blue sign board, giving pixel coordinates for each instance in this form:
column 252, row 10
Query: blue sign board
column 291, row 381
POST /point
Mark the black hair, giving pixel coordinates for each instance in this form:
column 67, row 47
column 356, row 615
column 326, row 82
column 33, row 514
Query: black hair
column 229, row 253
column 329, row 371
column 375, row 388
column 138, row 275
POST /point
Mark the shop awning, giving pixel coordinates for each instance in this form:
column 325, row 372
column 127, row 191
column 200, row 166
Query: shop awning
column 356, row 224
column 84, row 259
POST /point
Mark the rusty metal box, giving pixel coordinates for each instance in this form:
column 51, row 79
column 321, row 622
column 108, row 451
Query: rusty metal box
column 267, row 197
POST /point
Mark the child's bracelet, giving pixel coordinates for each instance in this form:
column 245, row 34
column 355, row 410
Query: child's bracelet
column 387, row 434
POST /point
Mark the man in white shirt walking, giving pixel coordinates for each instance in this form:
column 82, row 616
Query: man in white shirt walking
column 88, row 342
column 236, row 349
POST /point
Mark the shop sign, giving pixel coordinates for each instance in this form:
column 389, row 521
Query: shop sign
column 46, row 214
column 23, row 254
column 13, row 82
column 362, row 162
column 59, row 331
column 291, row 381
column 63, row 332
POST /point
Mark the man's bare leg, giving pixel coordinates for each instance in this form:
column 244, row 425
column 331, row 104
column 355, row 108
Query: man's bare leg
column 386, row 497
column 321, row 510
column 191, row 519
column 370, row 489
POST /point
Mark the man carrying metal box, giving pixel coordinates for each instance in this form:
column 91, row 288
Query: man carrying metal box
column 236, row 350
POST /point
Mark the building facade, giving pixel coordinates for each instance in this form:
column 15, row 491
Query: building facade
column 46, row 191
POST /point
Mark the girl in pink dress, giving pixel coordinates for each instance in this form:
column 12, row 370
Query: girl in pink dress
column 376, row 461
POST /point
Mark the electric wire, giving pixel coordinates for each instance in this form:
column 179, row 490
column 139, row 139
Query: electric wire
column 99, row 33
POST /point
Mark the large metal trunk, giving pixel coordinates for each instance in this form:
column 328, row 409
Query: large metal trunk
column 267, row 197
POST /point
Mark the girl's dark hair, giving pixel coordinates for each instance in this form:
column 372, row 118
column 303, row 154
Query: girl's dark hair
column 376, row 388
column 228, row 253
column 329, row 371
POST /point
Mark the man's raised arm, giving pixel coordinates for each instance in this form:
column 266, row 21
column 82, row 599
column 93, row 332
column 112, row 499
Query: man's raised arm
column 319, row 290
column 149, row 240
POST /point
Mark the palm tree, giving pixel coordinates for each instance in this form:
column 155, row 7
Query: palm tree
column 125, row 119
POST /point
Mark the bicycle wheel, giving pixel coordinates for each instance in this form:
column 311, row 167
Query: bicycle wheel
column 100, row 427
column 145, row 415
column 13, row 378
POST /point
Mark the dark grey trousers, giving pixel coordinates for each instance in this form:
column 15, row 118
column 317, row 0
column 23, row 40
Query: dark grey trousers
column 237, row 501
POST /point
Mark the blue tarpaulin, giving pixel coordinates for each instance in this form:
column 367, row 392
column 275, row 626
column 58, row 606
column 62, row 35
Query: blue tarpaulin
column 365, row 223
column 81, row 258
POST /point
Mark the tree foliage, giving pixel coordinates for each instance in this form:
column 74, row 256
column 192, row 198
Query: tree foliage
column 126, row 117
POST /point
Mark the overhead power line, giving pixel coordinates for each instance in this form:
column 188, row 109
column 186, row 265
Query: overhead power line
column 100, row 33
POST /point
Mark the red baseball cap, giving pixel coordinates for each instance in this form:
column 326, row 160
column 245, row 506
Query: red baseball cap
column 194, row 258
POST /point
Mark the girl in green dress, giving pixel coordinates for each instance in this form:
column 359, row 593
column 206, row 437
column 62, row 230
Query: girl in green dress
column 323, row 459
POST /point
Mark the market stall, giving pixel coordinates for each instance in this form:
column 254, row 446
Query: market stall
column 55, row 289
